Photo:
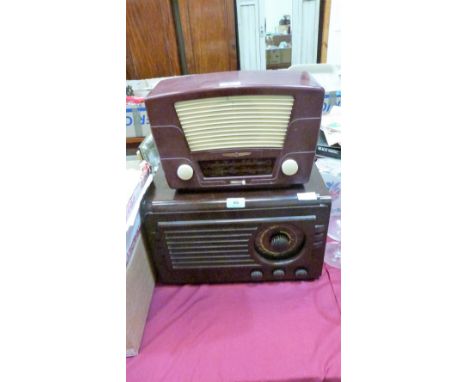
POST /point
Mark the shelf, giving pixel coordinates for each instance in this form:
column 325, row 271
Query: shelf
column 134, row 140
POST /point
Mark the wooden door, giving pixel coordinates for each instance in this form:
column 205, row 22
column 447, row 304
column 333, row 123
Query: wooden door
column 209, row 35
column 151, row 40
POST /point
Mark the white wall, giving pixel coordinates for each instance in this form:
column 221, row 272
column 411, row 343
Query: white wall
column 334, row 34
column 274, row 12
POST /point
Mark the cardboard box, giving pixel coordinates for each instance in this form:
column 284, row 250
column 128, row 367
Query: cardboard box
column 137, row 120
column 273, row 56
column 140, row 287
column 278, row 57
column 285, row 56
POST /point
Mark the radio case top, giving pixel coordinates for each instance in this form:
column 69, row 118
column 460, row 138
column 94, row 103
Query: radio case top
column 243, row 129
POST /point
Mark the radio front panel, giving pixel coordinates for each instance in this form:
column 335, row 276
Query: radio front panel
column 253, row 244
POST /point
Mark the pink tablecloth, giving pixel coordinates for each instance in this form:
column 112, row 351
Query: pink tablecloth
column 286, row 331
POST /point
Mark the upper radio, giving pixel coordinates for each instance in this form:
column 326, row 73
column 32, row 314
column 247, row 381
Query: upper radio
column 236, row 129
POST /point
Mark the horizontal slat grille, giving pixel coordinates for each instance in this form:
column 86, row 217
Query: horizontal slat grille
column 235, row 121
column 206, row 248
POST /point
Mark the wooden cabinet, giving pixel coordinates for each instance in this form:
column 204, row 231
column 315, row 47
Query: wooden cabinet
column 209, row 35
column 204, row 41
column 151, row 40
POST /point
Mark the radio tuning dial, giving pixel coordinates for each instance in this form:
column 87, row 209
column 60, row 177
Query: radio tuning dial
column 185, row 172
column 289, row 167
column 280, row 242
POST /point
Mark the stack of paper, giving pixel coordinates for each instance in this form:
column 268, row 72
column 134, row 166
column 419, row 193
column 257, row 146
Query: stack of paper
column 138, row 179
column 331, row 126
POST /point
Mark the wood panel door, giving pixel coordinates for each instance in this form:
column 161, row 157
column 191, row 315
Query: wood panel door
column 209, row 35
column 151, row 40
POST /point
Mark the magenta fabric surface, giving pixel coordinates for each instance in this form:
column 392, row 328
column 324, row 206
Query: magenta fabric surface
column 287, row 331
column 334, row 275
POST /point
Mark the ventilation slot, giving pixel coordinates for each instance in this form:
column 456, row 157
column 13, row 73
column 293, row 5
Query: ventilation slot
column 235, row 121
column 207, row 248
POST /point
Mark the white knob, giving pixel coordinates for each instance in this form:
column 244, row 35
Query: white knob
column 289, row 167
column 185, row 172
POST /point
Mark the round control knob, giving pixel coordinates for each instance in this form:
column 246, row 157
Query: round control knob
column 256, row 275
column 278, row 273
column 289, row 167
column 185, row 172
column 301, row 273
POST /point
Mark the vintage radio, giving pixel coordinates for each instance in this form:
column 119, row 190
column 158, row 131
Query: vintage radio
column 236, row 129
column 229, row 236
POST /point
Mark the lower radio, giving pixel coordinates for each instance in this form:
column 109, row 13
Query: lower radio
column 224, row 237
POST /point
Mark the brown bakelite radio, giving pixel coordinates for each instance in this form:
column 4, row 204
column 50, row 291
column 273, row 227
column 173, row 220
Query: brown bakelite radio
column 236, row 236
column 236, row 129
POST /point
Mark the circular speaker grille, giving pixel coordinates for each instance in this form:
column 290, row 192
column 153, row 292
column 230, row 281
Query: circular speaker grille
column 279, row 242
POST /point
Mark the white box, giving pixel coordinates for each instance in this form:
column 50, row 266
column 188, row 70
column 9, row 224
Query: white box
column 140, row 287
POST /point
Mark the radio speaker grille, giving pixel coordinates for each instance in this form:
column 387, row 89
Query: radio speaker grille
column 235, row 121
column 205, row 248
